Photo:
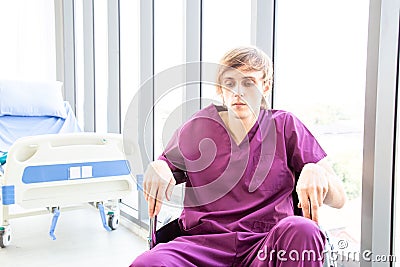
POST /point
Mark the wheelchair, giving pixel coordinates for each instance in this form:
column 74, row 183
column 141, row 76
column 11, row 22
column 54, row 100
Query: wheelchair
column 171, row 229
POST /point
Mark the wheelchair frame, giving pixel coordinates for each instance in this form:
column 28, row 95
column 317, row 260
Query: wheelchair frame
column 171, row 230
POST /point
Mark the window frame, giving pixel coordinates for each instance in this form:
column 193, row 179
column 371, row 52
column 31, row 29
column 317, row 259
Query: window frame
column 377, row 231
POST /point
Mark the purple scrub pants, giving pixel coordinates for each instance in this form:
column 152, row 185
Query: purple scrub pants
column 293, row 241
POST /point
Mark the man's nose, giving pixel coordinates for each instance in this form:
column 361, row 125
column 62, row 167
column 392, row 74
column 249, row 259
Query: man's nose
column 238, row 91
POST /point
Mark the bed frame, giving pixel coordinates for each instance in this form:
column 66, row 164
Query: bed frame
column 57, row 171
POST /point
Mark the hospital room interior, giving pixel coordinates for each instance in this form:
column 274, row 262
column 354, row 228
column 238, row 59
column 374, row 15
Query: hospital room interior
column 91, row 92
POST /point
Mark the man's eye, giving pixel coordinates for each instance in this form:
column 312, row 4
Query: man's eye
column 248, row 83
column 229, row 84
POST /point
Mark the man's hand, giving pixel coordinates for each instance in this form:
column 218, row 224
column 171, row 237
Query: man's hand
column 158, row 183
column 312, row 188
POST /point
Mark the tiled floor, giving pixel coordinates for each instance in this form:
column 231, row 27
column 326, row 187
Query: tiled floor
column 81, row 241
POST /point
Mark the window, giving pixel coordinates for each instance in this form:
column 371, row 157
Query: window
column 320, row 65
column 129, row 49
column 169, row 56
column 28, row 49
column 129, row 34
column 226, row 24
column 169, row 52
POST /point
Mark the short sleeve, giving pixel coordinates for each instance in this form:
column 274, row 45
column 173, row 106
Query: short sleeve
column 174, row 158
column 301, row 145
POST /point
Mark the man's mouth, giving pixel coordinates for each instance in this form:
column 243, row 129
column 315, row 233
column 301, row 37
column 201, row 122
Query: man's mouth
column 238, row 104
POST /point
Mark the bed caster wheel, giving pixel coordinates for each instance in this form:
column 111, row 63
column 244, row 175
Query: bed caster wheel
column 113, row 221
column 5, row 236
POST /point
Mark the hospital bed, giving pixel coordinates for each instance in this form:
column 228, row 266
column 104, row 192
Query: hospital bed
column 50, row 166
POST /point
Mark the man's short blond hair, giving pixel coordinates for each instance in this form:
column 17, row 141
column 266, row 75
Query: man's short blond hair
column 245, row 59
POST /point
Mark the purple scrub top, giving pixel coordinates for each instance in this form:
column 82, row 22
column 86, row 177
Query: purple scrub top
column 242, row 187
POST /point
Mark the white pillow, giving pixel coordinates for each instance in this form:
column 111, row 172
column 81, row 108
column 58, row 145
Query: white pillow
column 31, row 98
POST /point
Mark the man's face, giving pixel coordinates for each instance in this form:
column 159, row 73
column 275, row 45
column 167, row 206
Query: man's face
column 243, row 92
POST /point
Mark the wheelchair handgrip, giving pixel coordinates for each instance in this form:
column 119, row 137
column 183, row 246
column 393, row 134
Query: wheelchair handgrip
column 152, row 232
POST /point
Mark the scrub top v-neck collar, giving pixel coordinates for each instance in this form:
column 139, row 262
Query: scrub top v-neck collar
column 249, row 135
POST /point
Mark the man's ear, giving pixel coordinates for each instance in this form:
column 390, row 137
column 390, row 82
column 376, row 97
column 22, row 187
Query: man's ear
column 267, row 86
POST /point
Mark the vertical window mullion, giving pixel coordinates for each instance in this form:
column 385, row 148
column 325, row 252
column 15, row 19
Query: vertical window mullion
column 59, row 30
column 89, row 85
column 69, row 53
column 146, row 93
column 193, row 55
column 263, row 28
column 396, row 180
column 113, row 97
column 376, row 230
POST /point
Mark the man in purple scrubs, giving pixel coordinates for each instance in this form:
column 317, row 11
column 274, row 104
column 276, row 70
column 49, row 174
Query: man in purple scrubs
column 240, row 159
